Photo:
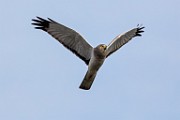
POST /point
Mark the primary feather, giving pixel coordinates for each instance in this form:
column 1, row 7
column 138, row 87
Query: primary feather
column 68, row 37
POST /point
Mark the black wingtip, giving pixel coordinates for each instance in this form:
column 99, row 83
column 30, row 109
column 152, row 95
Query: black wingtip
column 140, row 26
column 40, row 23
column 139, row 30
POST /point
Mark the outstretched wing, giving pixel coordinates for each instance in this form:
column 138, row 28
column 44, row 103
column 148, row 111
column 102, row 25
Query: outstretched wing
column 120, row 40
column 68, row 37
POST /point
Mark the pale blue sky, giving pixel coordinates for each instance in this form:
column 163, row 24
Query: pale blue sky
column 39, row 78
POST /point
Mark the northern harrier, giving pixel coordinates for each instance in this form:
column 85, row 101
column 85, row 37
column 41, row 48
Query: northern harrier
column 93, row 57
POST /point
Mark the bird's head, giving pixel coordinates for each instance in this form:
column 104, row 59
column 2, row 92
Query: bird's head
column 100, row 50
column 102, row 47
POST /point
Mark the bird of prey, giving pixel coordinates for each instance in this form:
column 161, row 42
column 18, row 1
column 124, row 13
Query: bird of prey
column 72, row 40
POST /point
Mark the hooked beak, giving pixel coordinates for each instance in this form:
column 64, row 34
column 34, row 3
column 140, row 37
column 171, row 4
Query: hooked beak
column 105, row 47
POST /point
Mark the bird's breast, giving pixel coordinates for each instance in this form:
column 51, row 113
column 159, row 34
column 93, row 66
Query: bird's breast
column 95, row 64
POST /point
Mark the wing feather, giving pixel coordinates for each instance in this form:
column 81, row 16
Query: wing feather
column 68, row 37
column 120, row 40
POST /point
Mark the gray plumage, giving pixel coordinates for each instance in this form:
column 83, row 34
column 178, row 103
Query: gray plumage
column 93, row 57
column 97, row 59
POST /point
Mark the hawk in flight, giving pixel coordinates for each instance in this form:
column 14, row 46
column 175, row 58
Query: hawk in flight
column 93, row 57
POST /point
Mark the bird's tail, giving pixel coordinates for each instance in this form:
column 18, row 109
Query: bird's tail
column 88, row 80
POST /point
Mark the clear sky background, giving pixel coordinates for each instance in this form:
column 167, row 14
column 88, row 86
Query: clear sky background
column 39, row 78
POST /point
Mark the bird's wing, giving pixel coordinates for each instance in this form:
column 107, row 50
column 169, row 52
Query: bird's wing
column 68, row 37
column 120, row 40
